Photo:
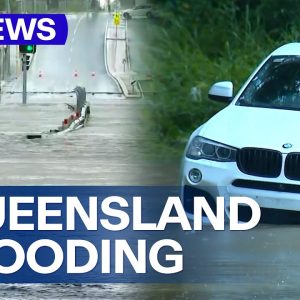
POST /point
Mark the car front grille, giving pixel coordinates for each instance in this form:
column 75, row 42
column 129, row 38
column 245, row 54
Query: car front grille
column 259, row 162
column 267, row 186
column 292, row 166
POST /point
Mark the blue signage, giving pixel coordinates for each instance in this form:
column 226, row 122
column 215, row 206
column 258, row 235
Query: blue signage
column 35, row 29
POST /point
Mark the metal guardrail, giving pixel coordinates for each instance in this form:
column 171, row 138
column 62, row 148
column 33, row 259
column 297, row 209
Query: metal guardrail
column 61, row 93
column 44, row 6
column 79, row 117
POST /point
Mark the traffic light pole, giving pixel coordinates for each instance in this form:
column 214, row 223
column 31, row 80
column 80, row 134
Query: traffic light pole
column 24, row 79
column 25, row 50
column 7, row 57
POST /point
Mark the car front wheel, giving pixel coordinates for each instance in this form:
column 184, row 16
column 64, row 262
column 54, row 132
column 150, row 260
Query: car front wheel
column 149, row 15
column 126, row 16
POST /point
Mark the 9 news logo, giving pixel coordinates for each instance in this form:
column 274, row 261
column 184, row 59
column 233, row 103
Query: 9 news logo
column 35, row 29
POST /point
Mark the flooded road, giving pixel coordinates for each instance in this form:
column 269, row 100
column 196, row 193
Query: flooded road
column 259, row 264
column 109, row 151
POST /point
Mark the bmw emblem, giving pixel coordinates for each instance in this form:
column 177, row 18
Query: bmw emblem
column 287, row 146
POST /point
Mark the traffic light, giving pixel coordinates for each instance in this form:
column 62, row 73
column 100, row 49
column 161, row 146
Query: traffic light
column 27, row 49
column 27, row 62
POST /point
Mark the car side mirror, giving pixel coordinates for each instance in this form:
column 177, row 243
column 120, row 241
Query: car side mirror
column 221, row 91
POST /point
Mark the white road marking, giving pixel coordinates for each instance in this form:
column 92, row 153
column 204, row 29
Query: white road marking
column 73, row 38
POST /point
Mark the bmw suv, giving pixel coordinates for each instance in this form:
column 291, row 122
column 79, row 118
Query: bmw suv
column 139, row 11
column 252, row 147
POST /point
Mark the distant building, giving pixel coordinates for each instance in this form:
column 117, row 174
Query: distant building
column 52, row 4
column 127, row 4
column 131, row 3
column 140, row 2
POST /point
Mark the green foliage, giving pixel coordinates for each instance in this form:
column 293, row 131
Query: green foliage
column 200, row 42
column 13, row 5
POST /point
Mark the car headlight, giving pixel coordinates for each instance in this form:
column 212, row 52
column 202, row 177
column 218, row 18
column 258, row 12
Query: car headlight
column 207, row 149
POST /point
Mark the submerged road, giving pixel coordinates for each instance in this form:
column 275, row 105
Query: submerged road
column 79, row 62
column 109, row 151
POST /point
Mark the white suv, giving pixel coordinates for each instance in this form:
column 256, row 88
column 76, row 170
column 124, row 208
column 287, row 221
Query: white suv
column 252, row 147
column 144, row 10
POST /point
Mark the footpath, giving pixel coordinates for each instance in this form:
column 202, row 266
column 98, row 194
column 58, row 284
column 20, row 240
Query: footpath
column 118, row 60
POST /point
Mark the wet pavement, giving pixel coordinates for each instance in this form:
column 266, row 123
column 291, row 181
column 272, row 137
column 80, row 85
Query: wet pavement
column 79, row 62
column 111, row 150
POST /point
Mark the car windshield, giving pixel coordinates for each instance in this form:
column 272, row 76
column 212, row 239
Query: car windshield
column 276, row 85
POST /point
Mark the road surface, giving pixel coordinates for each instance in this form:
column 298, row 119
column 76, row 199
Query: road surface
column 108, row 151
column 112, row 149
column 79, row 62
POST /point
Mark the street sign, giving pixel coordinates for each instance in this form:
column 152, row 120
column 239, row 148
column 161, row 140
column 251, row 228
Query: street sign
column 117, row 18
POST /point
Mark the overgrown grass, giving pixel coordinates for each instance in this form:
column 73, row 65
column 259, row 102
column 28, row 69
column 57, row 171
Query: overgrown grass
column 193, row 49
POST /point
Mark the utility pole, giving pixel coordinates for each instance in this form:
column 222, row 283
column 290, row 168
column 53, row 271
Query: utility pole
column 8, row 6
column 1, row 70
column 24, row 66
column 7, row 54
column 27, row 52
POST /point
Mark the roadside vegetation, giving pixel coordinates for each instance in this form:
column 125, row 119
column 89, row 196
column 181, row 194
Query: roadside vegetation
column 200, row 42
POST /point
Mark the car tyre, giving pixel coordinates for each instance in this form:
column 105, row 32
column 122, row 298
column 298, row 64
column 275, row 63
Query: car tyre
column 126, row 16
column 149, row 15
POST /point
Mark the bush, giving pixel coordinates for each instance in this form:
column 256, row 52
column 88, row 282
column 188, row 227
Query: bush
column 201, row 42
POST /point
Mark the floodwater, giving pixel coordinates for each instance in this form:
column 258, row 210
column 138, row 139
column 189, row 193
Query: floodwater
column 263, row 263
column 109, row 151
